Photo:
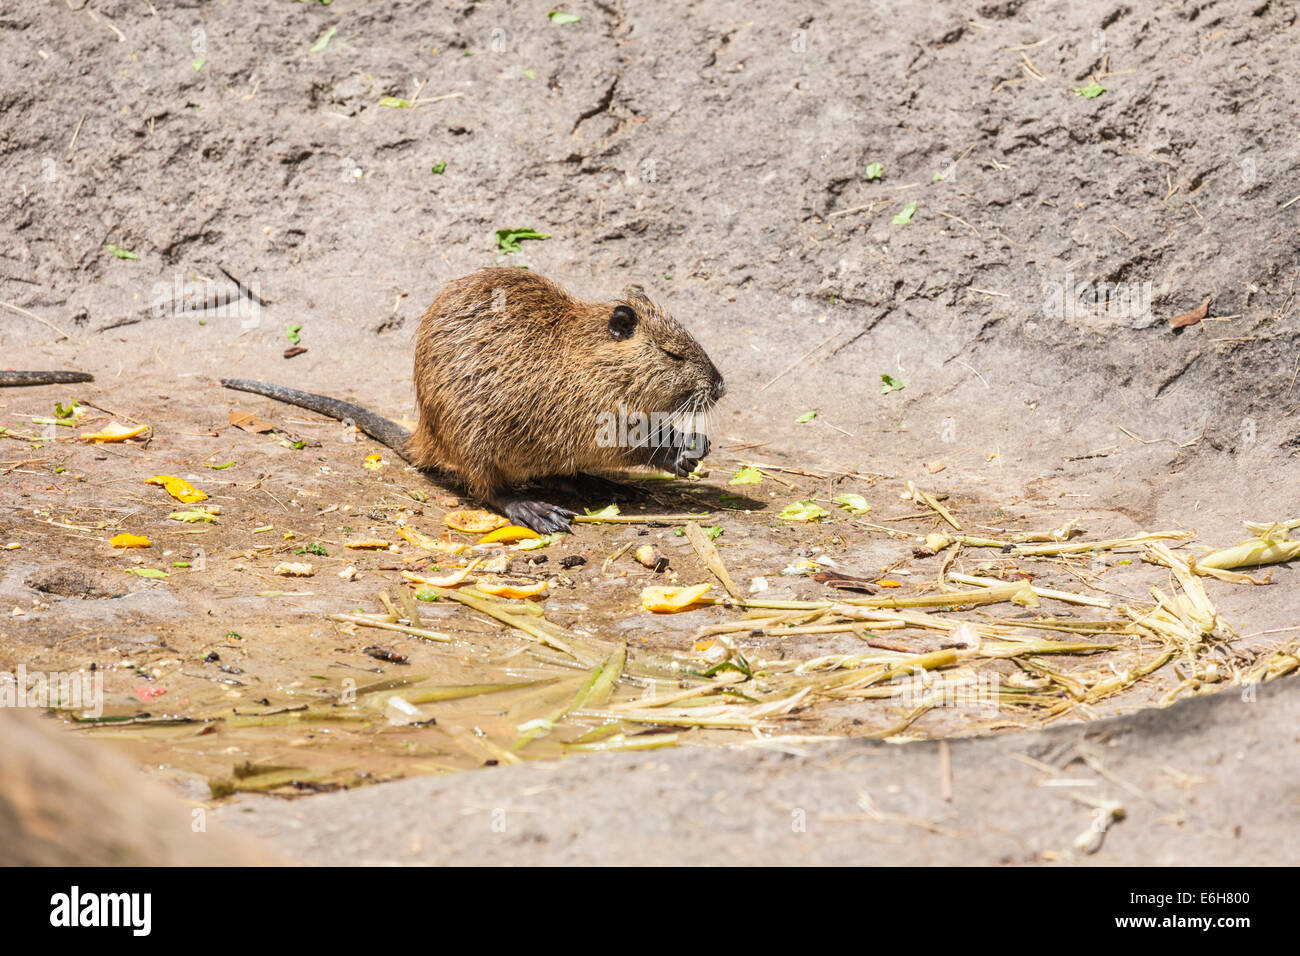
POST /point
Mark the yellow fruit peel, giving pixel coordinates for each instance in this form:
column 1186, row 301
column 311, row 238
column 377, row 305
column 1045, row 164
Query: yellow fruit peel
column 668, row 600
column 178, row 488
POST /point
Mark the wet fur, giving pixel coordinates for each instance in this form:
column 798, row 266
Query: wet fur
column 511, row 383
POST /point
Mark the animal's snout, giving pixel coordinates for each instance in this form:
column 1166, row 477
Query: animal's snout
column 718, row 389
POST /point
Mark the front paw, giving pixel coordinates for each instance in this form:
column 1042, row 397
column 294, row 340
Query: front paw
column 541, row 517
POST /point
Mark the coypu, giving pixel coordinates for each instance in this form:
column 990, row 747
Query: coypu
column 9, row 379
column 516, row 380
column 65, row 801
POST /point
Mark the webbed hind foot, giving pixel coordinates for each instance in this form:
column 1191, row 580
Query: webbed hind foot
column 542, row 517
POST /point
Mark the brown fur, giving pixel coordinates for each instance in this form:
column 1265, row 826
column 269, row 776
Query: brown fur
column 512, row 372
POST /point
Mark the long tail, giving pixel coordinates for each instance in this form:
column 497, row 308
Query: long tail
column 376, row 426
column 8, row 379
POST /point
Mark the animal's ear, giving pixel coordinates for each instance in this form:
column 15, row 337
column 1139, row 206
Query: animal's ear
column 636, row 292
column 622, row 322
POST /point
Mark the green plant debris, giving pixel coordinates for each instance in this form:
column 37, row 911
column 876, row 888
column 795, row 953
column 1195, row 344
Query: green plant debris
column 747, row 476
column 854, row 503
column 904, row 217
column 874, row 171
column 802, row 511
column 324, row 41
column 891, row 384
column 508, row 239
column 121, row 253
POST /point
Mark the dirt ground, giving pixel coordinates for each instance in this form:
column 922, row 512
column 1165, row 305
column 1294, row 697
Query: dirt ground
column 719, row 155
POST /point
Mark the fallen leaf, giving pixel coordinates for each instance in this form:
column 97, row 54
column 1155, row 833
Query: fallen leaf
column 854, row 503
column 904, row 217
column 1191, row 317
column 508, row 239
column 802, row 511
column 248, row 423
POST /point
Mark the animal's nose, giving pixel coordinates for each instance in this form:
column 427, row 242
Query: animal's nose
column 719, row 388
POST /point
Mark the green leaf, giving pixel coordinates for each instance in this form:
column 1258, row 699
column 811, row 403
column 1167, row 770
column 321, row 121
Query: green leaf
column 1091, row 91
column 855, row 503
column 198, row 64
column 324, row 41
column 61, row 412
column 562, row 18
column 291, row 332
column 891, row 384
column 439, row 168
column 147, row 572
column 313, row 548
column 221, row 467
column 394, row 103
column 803, row 511
column 874, row 171
column 609, row 511
column 509, row 239
column 747, row 476
column 530, row 74
column 806, row 417
column 713, row 531
column 122, row 253
column 904, row 217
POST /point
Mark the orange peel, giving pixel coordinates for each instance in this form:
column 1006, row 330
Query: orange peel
column 511, row 532
column 447, row 580
column 178, row 488
column 429, row 543
column 114, row 432
column 475, row 521
column 504, row 587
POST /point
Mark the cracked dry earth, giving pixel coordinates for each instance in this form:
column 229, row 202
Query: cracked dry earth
column 716, row 153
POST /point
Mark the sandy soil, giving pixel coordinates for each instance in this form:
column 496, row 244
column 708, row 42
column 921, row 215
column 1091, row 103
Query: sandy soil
column 716, row 153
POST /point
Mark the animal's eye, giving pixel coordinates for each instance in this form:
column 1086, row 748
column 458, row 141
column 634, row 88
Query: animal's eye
column 622, row 322
column 674, row 356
